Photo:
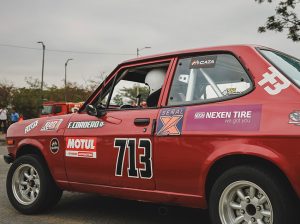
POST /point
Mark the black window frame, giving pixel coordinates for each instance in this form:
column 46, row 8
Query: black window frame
column 214, row 100
column 120, row 73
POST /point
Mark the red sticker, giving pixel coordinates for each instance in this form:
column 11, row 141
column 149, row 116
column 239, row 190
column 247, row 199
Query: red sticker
column 82, row 147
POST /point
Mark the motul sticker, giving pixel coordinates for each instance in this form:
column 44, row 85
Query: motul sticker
column 85, row 124
column 31, row 126
column 51, row 125
column 83, row 147
column 203, row 62
column 224, row 118
column 170, row 121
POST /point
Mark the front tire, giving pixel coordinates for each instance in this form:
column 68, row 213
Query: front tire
column 245, row 194
column 30, row 186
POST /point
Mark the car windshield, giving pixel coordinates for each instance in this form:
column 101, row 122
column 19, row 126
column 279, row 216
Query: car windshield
column 289, row 65
column 47, row 109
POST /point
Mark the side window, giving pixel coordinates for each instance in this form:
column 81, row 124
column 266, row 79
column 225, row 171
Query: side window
column 208, row 78
column 57, row 109
column 137, row 87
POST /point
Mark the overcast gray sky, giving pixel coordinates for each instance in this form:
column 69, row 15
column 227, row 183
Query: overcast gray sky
column 119, row 27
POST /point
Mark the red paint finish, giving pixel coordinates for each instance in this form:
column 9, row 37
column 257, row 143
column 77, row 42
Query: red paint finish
column 180, row 158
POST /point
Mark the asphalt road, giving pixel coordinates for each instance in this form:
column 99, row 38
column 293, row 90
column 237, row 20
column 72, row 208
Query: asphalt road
column 78, row 208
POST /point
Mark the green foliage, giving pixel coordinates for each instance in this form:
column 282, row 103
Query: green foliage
column 130, row 94
column 5, row 93
column 28, row 100
column 285, row 19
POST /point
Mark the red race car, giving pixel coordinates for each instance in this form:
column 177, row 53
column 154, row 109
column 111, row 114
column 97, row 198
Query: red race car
column 214, row 128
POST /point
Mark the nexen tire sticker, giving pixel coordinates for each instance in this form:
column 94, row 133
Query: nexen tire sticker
column 170, row 121
column 83, row 147
column 224, row 118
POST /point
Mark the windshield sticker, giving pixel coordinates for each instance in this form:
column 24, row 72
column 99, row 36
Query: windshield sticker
column 54, row 145
column 31, row 126
column 170, row 122
column 274, row 82
column 85, row 124
column 51, row 125
column 82, row 147
column 203, row 62
column 294, row 118
column 224, row 118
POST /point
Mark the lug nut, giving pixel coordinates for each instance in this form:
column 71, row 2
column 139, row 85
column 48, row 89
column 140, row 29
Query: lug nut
column 258, row 208
column 242, row 211
column 253, row 219
column 247, row 200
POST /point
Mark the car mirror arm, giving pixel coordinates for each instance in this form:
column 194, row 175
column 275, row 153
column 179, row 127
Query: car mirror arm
column 95, row 111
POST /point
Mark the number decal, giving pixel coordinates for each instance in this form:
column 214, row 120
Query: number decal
column 145, row 159
column 121, row 145
column 132, row 170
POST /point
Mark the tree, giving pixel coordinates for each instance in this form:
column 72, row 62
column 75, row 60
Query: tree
column 27, row 100
column 285, row 18
column 6, row 90
column 130, row 94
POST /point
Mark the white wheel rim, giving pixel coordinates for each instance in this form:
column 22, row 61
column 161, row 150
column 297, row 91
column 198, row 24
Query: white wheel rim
column 244, row 202
column 26, row 184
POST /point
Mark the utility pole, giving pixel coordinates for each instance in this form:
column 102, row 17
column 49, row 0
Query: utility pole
column 66, row 64
column 42, row 83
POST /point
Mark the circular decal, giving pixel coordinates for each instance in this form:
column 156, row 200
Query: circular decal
column 54, row 145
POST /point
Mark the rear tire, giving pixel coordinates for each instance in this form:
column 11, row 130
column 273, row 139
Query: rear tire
column 247, row 194
column 30, row 186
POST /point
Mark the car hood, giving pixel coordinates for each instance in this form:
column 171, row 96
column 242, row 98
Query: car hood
column 38, row 126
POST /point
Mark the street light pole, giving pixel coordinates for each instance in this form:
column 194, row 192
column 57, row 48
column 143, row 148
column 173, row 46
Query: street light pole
column 43, row 62
column 66, row 64
column 140, row 49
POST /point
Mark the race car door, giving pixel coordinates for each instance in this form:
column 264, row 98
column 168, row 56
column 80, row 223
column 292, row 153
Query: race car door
column 117, row 148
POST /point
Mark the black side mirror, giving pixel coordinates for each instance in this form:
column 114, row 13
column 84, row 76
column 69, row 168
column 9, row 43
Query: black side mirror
column 93, row 111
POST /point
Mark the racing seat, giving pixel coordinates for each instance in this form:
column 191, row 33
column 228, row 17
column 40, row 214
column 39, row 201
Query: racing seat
column 152, row 99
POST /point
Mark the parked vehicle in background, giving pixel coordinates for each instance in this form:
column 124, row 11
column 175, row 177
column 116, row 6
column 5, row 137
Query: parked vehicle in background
column 220, row 129
column 51, row 108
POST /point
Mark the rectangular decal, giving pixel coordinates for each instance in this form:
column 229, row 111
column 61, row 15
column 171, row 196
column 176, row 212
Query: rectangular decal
column 170, row 121
column 224, row 118
column 51, row 125
column 85, row 124
column 203, row 61
column 84, row 147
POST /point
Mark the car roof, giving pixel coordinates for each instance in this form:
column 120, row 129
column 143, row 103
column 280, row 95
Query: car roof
column 191, row 51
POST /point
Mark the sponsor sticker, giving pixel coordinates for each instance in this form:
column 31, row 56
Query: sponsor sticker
column 274, row 82
column 85, row 124
column 31, row 126
column 203, row 62
column 224, row 118
column 51, row 125
column 294, row 118
column 82, row 147
column 170, row 121
column 54, row 145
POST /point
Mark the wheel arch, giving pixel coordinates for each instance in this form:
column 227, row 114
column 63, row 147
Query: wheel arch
column 224, row 163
